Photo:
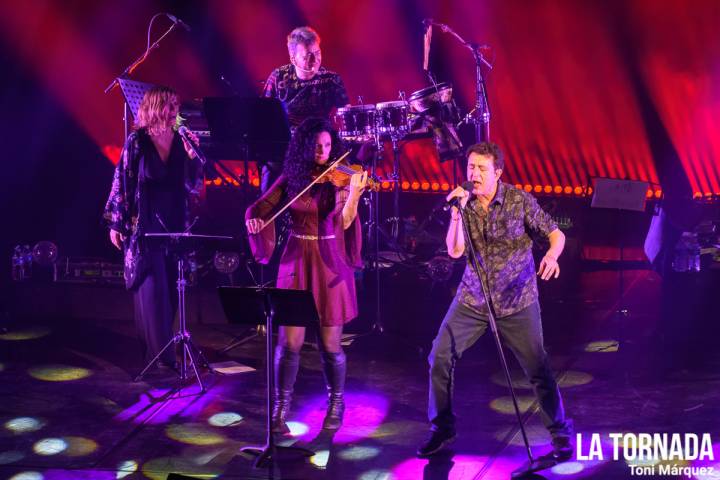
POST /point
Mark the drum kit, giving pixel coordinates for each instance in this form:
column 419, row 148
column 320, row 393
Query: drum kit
column 429, row 112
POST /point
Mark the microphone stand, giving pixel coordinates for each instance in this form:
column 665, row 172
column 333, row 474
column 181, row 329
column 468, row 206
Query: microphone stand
column 481, row 112
column 479, row 268
column 130, row 68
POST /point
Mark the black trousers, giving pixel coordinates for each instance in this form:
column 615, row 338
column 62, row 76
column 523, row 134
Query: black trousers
column 156, row 305
column 522, row 334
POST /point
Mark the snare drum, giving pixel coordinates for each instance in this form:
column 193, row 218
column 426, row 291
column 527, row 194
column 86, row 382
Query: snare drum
column 433, row 110
column 392, row 118
column 356, row 123
column 431, row 98
column 435, row 101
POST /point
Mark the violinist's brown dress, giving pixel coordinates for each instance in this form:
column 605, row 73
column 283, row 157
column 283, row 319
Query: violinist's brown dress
column 320, row 256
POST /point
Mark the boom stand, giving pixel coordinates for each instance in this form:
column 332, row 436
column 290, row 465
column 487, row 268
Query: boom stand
column 268, row 306
column 481, row 111
column 129, row 70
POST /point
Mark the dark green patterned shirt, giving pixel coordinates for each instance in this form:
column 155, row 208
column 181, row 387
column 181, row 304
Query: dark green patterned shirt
column 502, row 238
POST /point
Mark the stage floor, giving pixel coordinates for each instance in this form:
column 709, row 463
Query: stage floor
column 70, row 409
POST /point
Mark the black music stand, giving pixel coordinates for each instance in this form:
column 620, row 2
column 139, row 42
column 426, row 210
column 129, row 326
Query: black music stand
column 247, row 128
column 133, row 93
column 620, row 195
column 181, row 243
column 268, row 306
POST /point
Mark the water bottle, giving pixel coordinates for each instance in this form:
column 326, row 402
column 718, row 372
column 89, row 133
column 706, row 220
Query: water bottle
column 16, row 264
column 27, row 261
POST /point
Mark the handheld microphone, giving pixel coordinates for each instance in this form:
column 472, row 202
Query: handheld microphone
column 183, row 131
column 455, row 201
column 177, row 21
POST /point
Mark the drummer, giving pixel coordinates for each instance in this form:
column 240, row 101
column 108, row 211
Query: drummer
column 306, row 89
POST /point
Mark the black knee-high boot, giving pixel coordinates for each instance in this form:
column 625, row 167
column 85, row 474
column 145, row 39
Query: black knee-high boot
column 287, row 364
column 334, row 368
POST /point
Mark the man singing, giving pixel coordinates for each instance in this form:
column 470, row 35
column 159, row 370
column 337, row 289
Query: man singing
column 501, row 219
column 306, row 89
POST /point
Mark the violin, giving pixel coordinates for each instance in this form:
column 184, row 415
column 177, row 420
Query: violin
column 342, row 173
column 339, row 171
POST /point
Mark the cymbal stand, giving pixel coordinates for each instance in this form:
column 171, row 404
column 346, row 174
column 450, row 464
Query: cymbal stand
column 395, row 179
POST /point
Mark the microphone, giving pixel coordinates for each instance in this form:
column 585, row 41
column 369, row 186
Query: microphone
column 183, row 131
column 304, row 70
column 455, row 202
column 177, row 21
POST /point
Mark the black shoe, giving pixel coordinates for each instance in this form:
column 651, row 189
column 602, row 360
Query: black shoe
column 436, row 442
column 562, row 450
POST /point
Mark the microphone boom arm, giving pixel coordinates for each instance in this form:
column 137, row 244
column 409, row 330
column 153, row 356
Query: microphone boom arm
column 131, row 68
column 481, row 115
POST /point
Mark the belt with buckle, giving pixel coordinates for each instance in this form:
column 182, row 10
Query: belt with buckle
column 312, row 237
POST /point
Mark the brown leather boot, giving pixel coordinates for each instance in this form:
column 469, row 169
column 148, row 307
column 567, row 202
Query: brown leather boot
column 287, row 364
column 281, row 408
column 335, row 369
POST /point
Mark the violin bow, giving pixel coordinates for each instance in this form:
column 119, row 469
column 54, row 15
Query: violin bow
column 342, row 157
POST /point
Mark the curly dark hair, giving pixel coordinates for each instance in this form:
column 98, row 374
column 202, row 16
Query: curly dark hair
column 300, row 158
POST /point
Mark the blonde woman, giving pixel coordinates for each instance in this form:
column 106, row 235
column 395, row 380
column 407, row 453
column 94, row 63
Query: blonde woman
column 151, row 191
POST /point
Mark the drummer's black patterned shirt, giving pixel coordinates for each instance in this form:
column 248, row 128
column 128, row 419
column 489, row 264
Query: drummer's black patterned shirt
column 502, row 238
column 306, row 98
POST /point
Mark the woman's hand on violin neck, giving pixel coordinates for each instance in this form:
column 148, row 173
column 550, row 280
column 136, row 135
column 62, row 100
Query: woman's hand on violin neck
column 358, row 182
column 254, row 225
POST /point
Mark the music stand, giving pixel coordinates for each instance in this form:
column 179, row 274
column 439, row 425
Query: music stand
column 182, row 242
column 268, row 306
column 247, row 127
column 133, row 93
column 620, row 195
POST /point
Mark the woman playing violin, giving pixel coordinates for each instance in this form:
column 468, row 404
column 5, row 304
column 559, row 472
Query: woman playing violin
column 321, row 254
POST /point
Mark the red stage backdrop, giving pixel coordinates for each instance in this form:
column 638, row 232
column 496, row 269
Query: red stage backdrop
column 578, row 89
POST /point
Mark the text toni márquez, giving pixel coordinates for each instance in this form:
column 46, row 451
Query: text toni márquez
column 650, row 453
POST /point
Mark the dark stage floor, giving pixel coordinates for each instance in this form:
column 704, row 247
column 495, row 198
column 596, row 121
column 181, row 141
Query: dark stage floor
column 70, row 410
